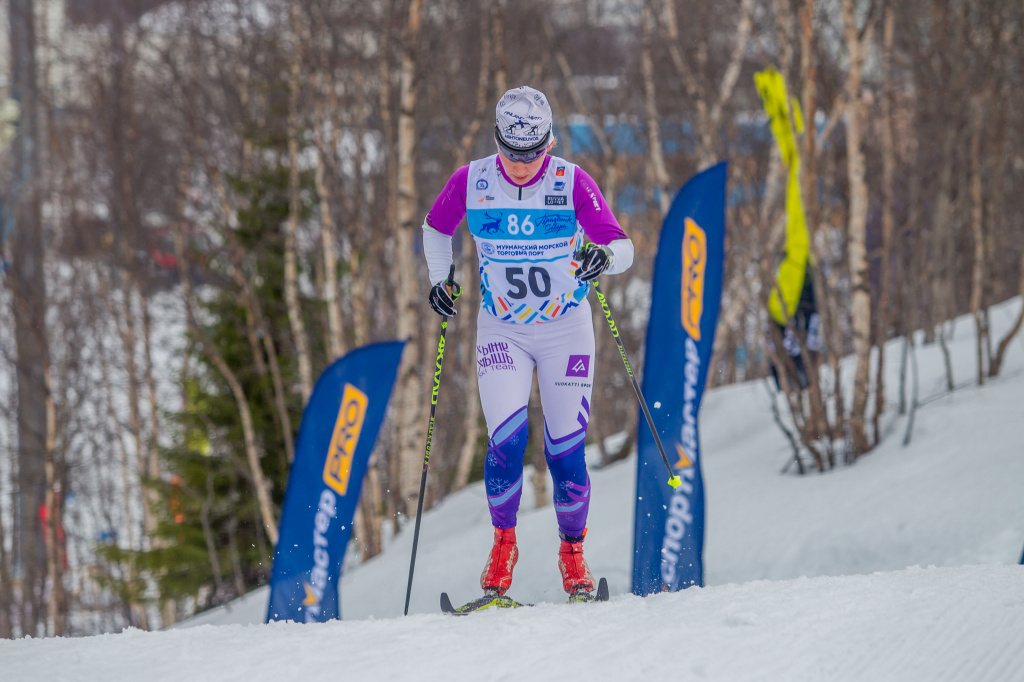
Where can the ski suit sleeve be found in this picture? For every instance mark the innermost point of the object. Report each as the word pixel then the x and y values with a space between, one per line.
pixel 599 224
pixel 440 224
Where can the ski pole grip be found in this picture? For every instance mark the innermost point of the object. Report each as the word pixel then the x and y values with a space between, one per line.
pixel 453 287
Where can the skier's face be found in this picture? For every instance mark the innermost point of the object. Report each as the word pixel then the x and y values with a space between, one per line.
pixel 522 173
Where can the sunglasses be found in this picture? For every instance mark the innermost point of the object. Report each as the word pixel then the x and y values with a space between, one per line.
pixel 521 155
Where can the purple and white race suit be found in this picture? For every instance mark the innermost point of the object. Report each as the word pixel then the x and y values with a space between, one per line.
pixel 534 314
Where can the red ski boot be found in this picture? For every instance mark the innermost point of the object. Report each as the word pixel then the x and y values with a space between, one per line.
pixel 576 575
pixel 497 575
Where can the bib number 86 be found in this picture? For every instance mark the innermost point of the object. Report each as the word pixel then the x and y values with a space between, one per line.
pixel 514 227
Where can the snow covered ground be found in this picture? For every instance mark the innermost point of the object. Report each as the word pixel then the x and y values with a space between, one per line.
pixel 901 567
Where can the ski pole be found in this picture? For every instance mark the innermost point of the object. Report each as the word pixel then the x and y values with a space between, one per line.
pixel 673 480
pixel 457 290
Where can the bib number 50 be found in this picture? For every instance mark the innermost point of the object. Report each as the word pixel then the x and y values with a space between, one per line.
pixel 537 282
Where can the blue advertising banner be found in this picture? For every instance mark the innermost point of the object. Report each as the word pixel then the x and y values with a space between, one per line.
pixel 668 532
pixel 339 428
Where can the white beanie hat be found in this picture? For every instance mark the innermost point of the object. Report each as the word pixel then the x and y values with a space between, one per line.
pixel 522 125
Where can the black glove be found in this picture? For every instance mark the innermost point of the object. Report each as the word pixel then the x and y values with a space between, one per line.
pixel 443 295
pixel 594 260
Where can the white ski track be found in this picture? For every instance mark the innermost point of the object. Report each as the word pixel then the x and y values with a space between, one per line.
pixel 963 623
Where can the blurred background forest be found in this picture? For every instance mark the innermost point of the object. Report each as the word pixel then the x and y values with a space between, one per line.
pixel 204 203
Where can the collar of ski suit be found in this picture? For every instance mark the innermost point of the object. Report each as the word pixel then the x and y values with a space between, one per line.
pixel 521 191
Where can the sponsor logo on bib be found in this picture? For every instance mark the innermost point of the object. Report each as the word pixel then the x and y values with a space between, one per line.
pixel 554 201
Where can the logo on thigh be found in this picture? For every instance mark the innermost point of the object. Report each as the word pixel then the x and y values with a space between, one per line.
pixel 579 366
pixel 494 355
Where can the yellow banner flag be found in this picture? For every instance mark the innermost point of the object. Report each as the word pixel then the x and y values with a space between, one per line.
pixel 784 116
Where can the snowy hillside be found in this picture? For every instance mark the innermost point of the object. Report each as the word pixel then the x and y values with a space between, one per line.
pixel 901 567
pixel 919 624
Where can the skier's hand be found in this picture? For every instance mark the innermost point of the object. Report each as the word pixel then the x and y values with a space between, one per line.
pixel 443 296
pixel 594 260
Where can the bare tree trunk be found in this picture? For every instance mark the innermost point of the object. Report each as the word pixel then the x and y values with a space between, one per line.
pixel 56 608
pixel 128 521
pixel 251 304
pixel 28 286
pixel 947 358
pixel 467 271
pixel 153 451
pixel 410 401
pixel 832 428
pixel 483 78
pixel 280 395
pixel 610 178
pixel 860 298
pixel 327 152
pixel 260 484
pixel 235 556
pixel 997 360
pixel 913 285
pixel 903 374
pixel 498 28
pixel 686 74
pixel 291 287
pixel 126 327
pixel 471 424
pixel 371 507
pixel 977 283
pixel 888 219
pixel 811 148
pixel 123 133
pixel 656 171
pixel 358 295
pixel 6 586
pixel 536 445
pixel 211 545
pixel 913 400
pixel 809 156
pixel 744 26
pixel 253 332
pixel 785 27
pixel 336 346
pixel 394 503
pixel 938 266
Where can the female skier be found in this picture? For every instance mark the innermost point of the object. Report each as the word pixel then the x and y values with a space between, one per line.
pixel 543 231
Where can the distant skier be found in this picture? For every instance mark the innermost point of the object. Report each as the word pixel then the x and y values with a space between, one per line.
pixel 534 313
pixel 797 290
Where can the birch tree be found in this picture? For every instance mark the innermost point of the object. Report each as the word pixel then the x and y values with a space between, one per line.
pixel 28 288
pixel 410 397
pixel 291 276
pixel 860 304
pixel 888 217
pixel 709 104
